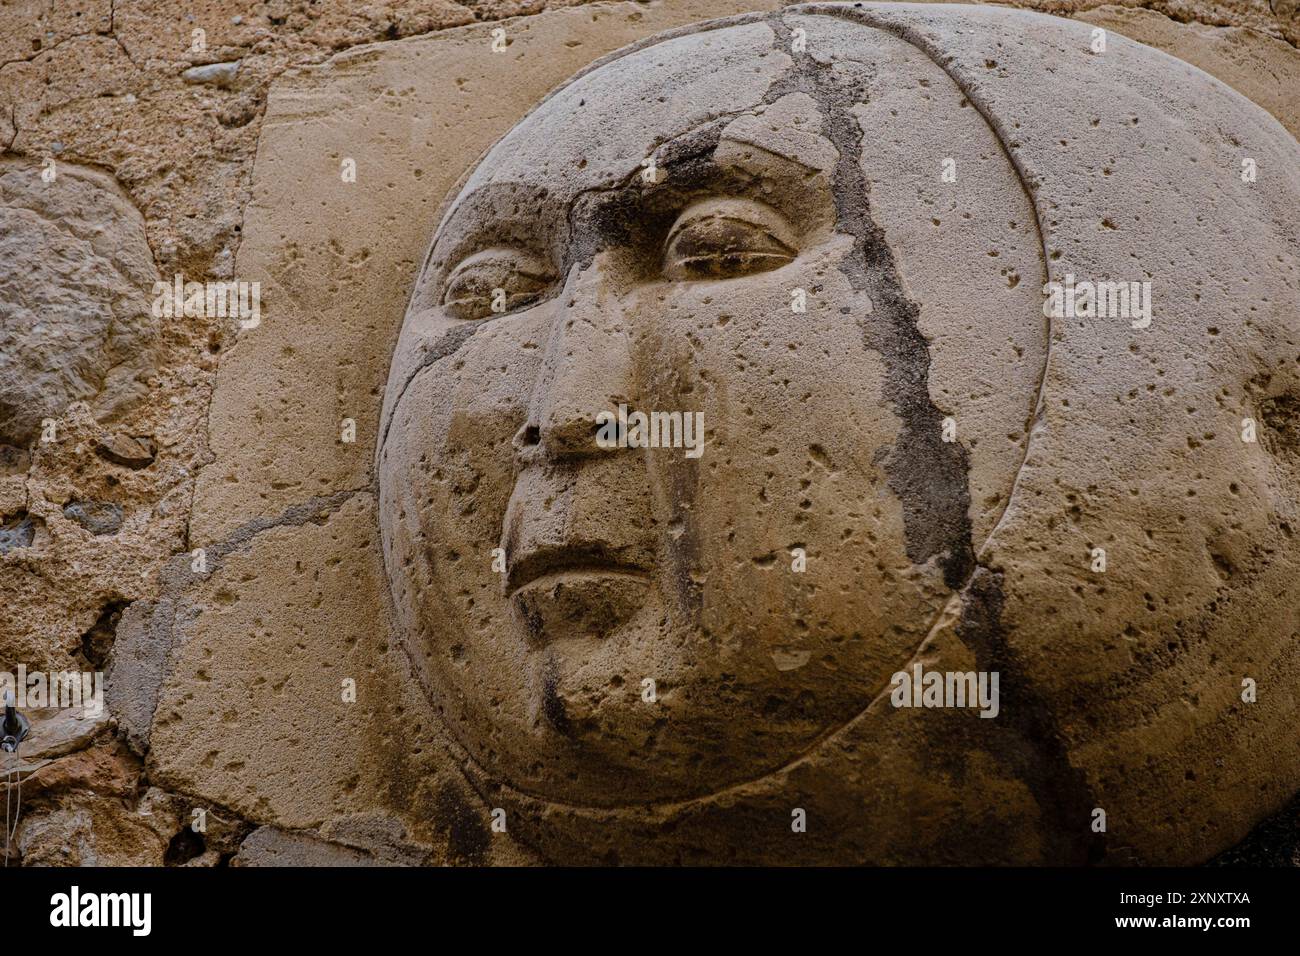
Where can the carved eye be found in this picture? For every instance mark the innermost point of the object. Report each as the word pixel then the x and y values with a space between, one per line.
pixel 496 281
pixel 724 238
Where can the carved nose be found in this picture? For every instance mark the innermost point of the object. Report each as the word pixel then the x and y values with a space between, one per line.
pixel 586 370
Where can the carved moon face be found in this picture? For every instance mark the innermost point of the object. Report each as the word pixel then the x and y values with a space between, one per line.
pixel 823 237
pixel 705 232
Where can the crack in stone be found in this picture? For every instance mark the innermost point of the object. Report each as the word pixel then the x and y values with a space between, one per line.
pixel 448 345
pixel 313 511
pixel 927 474
pixel 914 40
pixel 179 578
pixel 1039 751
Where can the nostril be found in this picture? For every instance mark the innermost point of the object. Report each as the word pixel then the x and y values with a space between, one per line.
pixel 530 435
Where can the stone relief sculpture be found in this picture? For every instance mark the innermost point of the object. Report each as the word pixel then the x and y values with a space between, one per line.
pixel 842 433
pixel 868 450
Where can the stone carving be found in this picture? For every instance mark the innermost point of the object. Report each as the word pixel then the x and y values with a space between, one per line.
pixel 648 674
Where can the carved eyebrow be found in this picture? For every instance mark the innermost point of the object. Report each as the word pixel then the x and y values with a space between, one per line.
pixel 639 215
pixel 485 232
pixel 513 215
pixel 702 176
pixel 627 211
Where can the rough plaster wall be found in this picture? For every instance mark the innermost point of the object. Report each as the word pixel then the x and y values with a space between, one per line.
pixel 225 681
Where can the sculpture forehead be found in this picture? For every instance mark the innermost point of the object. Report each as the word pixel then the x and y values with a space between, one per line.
pixel 599 128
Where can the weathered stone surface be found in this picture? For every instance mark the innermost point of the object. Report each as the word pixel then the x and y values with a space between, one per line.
pixel 102 831
pixel 75 321
pixel 1262 68
pixel 218 74
pixel 103 769
pixel 17 532
pixel 824 435
pixel 383 837
pixel 129 451
pixel 57 838
pixel 80 803
pixel 56 732
pixel 269 846
pixel 137 667
pixel 107 89
pixel 97 517
pixel 279 741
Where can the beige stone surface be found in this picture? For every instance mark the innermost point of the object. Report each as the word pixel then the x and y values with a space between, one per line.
pixel 1121 691
pixel 284 741
pixel 1139 441
pixel 235 172
pixel 264 676
pixel 1262 68
pixel 75 319
pixel 267 846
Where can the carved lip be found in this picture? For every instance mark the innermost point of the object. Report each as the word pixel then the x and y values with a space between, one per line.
pixel 558 562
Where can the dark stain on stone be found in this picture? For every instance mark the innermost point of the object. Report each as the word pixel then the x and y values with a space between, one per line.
pixel 676 475
pixel 97 642
pixel 927 474
pixel 97 517
pixel 467 834
pixel 634 217
pixel 930 476
pixel 532 620
pixel 684 551
pixel 552 704
pixel 1031 739
pixel 1275 842
pixel 931 479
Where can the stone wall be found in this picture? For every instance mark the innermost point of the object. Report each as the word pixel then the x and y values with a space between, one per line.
pixel 190 505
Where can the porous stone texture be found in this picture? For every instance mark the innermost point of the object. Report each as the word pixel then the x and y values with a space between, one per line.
pixel 1262 68
pixel 244 581
pixel 267 846
pixel 75 320
pixel 1120 686
pixel 82 800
